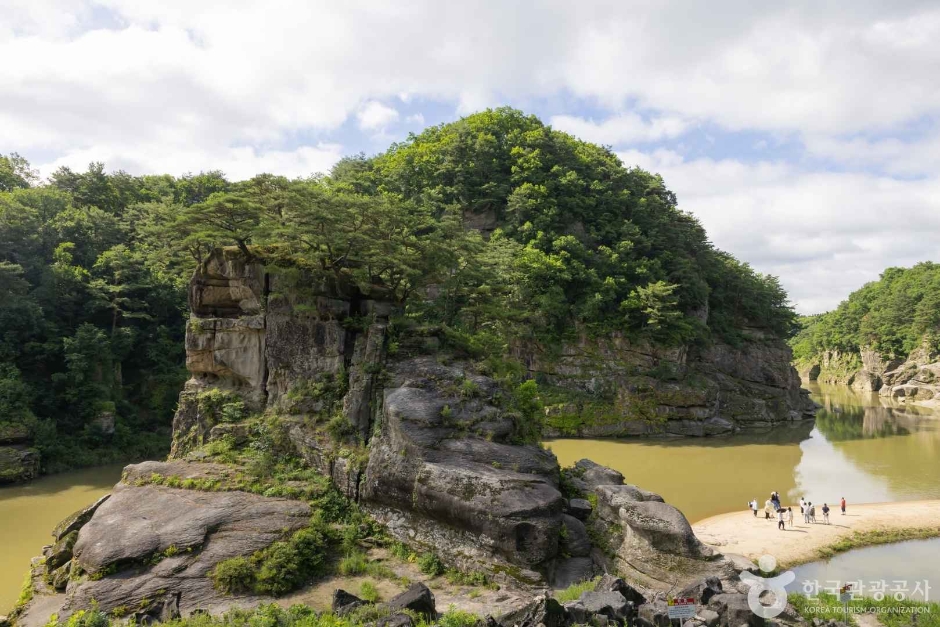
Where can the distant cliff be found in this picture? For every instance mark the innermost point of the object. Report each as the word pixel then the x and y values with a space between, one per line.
pixel 884 338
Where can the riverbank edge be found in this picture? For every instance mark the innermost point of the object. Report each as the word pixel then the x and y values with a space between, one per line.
pixel 631 431
pixel 903 526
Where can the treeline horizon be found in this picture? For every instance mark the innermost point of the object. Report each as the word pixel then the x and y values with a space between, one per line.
pixel 94 265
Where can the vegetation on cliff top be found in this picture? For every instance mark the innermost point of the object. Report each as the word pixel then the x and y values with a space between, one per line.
pixel 93 266
pixel 893 315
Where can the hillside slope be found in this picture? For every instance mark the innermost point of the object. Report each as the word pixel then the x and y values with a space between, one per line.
pixel 884 338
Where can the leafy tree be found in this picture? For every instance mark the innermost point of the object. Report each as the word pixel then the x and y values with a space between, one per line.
pixel 15 173
pixel 223 217
pixel 894 315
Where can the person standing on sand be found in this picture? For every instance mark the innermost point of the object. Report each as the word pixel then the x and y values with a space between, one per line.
pixel 843 505
pixel 812 513
pixel 790 516
pixel 753 505
pixel 826 512
pixel 781 524
pixel 803 505
pixel 806 512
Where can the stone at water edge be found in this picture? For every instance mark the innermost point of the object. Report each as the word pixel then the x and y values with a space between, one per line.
pixel 76 521
pixel 61 552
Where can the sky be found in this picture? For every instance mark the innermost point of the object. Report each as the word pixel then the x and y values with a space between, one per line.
pixel 805 136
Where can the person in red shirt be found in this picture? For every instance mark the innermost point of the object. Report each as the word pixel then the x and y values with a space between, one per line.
pixel 843 505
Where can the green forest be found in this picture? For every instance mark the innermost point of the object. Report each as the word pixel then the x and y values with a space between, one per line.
pixel 94 265
pixel 893 315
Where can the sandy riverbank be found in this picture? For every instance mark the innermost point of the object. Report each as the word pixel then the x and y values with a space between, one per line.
pixel 740 532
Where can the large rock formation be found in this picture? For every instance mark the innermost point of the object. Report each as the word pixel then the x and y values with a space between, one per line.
pixel 613 388
pixel 425 443
pixel 914 380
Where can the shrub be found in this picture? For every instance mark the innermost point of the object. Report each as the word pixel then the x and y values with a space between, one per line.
pixel 430 565
pixel 280 570
pixel 368 592
pixel 233 575
pixel 458 618
pixel 574 591
pixel 339 428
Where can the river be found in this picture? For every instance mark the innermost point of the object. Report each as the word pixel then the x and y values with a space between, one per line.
pixel 860 447
pixel 908 569
pixel 29 513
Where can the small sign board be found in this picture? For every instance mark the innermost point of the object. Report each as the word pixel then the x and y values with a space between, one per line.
pixel 845 593
pixel 681 607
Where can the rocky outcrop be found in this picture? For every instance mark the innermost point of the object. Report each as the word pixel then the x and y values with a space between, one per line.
pixel 914 380
pixel 153 547
pixel 18 462
pixel 616 388
pixel 647 540
pixel 425 443
pixel 442 472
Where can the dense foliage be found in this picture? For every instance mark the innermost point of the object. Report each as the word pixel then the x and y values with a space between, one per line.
pixel 92 309
pixel 93 266
pixel 893 315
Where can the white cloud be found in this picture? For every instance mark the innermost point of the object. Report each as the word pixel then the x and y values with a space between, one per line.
pixel 238 163
pixel 824 233
pixel 375 116
pixel 623 128
pixel 246 86
pixel 416 119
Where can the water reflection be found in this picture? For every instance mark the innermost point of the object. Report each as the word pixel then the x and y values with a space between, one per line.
pixel 845 414
pixel 862 447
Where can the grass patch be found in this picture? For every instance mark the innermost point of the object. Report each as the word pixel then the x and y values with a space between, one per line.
pixel 875 536
pixel 574 591
pixel 368 592
pixel 272 615
pixel 353 564
pixel 26 592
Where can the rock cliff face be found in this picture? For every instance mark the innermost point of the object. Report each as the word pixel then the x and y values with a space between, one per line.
pixel 610 387
pixel 423 442
pixel 18 462
pixel 914 380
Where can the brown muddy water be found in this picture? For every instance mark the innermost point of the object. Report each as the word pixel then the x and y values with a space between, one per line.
pixel 29 513
pixel 860 447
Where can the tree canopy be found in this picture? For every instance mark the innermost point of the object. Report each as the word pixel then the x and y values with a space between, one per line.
pixel 495 227
pixel 893 315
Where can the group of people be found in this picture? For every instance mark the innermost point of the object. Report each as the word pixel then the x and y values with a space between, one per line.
pixel 784 515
